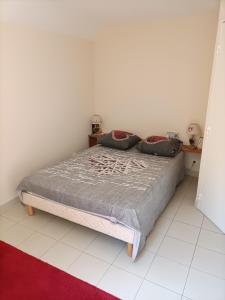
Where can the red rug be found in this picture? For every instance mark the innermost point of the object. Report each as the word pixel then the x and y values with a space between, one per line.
pixel 23 277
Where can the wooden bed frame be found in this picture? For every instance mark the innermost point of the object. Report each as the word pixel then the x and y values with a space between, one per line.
pixel 83 218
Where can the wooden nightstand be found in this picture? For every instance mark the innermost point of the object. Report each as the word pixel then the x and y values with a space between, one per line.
pixel 93 139
pixel 190 149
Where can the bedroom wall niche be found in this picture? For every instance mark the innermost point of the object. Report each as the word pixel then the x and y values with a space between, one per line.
pixel 154 77
pixel 46 101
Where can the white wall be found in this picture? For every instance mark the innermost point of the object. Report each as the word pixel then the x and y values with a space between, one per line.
pixel 149 78
pixel 46 101
pixel 154 77
pixel 211 187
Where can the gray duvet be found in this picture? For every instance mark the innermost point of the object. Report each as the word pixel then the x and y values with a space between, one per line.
pixel 127 187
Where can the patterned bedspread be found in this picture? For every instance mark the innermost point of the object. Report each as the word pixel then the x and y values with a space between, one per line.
pixel 84 167
pixel 125 186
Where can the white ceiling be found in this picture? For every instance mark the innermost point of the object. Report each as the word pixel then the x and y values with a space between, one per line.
pixel 85 17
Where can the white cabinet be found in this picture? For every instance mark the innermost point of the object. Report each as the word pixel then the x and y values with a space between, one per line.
pixel 211 189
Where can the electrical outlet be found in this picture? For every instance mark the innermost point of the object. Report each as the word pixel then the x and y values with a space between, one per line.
pixel 193 163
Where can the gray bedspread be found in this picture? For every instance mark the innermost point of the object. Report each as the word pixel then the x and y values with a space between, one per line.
pixel 133 189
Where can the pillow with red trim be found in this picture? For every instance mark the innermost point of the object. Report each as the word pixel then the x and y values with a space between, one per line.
pixel 160 145
pixel 119 139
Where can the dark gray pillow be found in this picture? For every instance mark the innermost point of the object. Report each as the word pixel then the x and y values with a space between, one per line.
pixel 161 146
pixel 119 140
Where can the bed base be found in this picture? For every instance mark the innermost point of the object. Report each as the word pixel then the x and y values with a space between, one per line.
pixel 30 210
pixel 80 217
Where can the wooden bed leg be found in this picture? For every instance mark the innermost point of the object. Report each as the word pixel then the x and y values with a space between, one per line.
pixel 30 210
pixel 129 249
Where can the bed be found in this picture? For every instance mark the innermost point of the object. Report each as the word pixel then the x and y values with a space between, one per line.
pixel 119 193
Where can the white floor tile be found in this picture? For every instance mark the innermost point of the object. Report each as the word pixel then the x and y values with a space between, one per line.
pixel 16 234
pixel 153 241
pixel 176 201
pixel 209 261
pixel 184 232
pixel 37 221
pixel 162 225
pixel 139 267
pixel 152 291
pixel 120 283
pixel 190 215
pixel 209 225
pixel 57 228
pixel 15 211
pixel 61 256
pixel 201 286
pixel 177 250
pixel 171 210
pixel 37 244
pixel 105 247
pixel 5 224
pixel 188 200
pixel 80 237
pixel 190 194
pixel 212 240
pixel 88 268
pixel 168 274
pixel 179 195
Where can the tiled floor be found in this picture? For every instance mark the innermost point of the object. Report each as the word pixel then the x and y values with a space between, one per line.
pixel 184 257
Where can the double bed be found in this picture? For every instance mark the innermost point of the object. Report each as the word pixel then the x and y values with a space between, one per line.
pixel 119 193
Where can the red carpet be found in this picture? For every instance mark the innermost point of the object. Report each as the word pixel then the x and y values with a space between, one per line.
pixel 23 277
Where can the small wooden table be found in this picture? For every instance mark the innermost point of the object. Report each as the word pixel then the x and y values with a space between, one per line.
pixel 93 138
pixel 191 149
